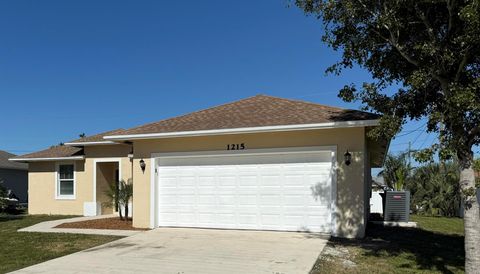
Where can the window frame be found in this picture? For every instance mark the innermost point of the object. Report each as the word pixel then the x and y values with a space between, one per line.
pixel 58 196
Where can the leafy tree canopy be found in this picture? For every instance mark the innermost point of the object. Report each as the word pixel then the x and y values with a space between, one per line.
pixel 430 48
pixel 476 165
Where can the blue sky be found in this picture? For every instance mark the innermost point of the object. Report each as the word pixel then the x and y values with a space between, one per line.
pixel 71 67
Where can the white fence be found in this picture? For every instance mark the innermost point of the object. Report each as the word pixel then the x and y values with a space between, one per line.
pixel 376 202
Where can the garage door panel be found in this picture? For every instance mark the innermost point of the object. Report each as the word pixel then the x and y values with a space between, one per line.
pixel 269 180
pixel 295 210
pixel 270 169
pixel 269 200
pixel 170 171
pixel 246 181
pixel 169 181
pixel 168 200
pixel 271 219
pixel 294 179
pixel 248 220
pixel 186 182
pixel 206 218
pixel 203 180
pixel 277 210
pixel 170 217
pixel 293 220
pixel 205 170
pixel 181 191
pixel 226 218
pixel 225 170
pixel 244 199
pixel 293 200
pixel 268 190
pixel 207 209
pixel 226 181
pixel 317 201
pixel 246 191
pixel 186 199
pixel 205 190
pixel 225 191
pixel 186 218
pixel 205 199
pixel 225 199
pixel 247 209
pixel 274 192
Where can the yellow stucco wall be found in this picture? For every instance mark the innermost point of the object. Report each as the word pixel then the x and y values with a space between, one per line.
pixel 41 181
pixel 350 213
pixel 41 189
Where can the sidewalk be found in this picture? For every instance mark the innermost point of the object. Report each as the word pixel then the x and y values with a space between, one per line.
pixel 49 227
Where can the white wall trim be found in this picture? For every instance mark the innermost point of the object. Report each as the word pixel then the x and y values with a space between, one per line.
pixel 90 143
pixel 104 160
pixel 345 124
pixel 153 192
pixel 333 207
pixel 47 159
pixel 65 197
pixel 284 150
pixel 257 151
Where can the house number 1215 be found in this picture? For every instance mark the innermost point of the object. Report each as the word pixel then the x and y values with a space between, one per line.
pixel 236 146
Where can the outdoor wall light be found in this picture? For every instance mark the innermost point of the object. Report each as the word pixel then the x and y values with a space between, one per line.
pixel 348 158
pixel 142 165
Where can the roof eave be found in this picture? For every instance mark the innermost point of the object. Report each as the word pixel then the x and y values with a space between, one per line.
pixel 13 168
pixel 245 130
pixel 96 143
pixel 44 159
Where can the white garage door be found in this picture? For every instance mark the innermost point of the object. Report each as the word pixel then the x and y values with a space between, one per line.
pixel 266 191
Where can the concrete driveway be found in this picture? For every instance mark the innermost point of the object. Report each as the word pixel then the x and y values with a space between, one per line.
pixel 196 251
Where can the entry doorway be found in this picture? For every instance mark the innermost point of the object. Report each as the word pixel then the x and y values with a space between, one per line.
pixel 107 172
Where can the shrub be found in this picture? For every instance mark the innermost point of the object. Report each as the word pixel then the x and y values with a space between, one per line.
pixel 434 189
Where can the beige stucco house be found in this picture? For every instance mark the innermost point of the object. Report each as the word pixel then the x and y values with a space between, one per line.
pixel 262 163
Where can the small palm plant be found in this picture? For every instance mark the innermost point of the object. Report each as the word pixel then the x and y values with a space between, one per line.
pixel 396 171
pixel 434 191
pixel 119 196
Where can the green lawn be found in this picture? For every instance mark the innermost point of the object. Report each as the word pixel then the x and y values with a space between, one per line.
pixel 21 249
pixel 436 246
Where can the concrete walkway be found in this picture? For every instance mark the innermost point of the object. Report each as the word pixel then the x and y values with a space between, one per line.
pixel 49 226
pixel 195 251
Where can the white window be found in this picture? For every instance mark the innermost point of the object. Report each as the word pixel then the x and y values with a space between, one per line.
pixel 65 181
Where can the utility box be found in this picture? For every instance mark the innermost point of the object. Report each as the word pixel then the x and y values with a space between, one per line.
pixel 397 206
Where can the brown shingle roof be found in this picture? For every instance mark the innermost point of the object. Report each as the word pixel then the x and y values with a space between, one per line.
pixel 53 152
pixel 257 111
pixel 67 151
pixel 98 137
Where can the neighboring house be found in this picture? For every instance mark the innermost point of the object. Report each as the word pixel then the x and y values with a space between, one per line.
pixel 261 163
pixel 378 183
pixel 14 176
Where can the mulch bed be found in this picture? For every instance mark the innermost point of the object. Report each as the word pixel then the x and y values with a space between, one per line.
pixel 106 223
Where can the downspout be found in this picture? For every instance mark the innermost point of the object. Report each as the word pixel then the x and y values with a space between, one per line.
pixel 131 172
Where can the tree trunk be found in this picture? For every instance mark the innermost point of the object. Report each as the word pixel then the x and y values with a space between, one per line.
pixel 471 219
pixel 126 212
